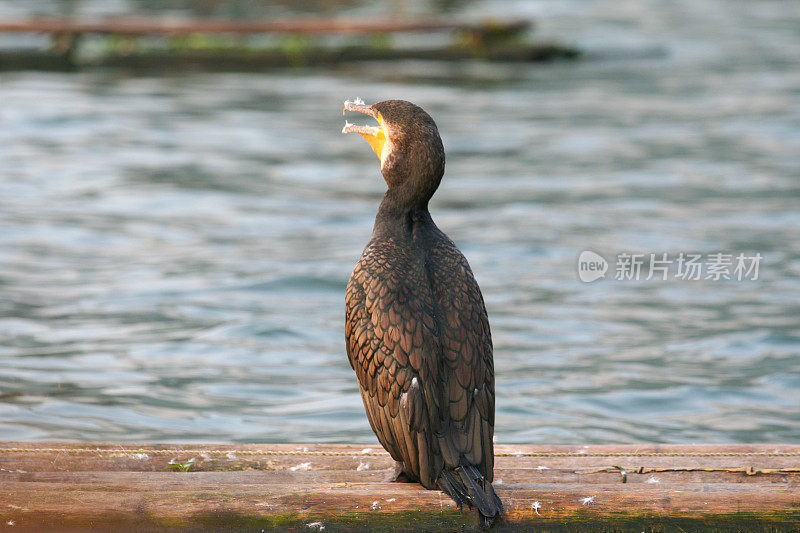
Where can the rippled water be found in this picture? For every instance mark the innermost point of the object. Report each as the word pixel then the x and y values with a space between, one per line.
pixel 174 250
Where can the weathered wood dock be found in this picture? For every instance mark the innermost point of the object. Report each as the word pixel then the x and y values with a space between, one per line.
pixel 147 487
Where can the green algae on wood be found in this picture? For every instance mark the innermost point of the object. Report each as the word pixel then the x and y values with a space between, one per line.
pixel 406 521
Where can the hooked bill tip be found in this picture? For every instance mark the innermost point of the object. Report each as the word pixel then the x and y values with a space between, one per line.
pixel 354 102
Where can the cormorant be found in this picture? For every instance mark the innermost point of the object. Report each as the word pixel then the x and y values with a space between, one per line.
pixel 416 327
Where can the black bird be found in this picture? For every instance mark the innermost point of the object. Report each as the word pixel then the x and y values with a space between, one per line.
pixel 416 326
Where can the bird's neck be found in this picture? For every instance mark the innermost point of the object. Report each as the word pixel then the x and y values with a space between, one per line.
pixel 400 217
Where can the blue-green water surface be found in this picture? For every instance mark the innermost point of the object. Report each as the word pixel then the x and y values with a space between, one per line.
pixel 174 249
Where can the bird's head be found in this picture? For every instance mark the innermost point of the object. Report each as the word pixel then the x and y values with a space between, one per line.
pixel 408 144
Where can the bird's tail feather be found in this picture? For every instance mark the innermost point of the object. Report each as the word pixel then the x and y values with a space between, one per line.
pixel 466 485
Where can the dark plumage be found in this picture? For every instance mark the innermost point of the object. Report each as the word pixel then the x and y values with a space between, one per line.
pixel 416 326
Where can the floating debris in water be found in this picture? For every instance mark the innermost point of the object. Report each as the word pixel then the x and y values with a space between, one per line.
pixel 141 456
pixel 589 500
pixel 653 479
pixel 231 456
pixel 366 450
pixel 316 526
pixel 375 505
pixel 542 467
pixel 362 466
pixel 536 506
pixel 301 466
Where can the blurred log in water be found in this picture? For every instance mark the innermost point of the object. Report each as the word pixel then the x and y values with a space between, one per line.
pixel 222 45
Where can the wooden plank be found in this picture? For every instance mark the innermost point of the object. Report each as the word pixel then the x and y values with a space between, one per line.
pixel 54 456
pixel 502 476
pixel 61 486
pixel 76 501
pixel 143 26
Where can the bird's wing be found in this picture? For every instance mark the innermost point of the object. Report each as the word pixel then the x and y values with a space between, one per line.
pixel 467 368
pixel 393 346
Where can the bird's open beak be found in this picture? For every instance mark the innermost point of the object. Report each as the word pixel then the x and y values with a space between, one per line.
pixel 376 137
